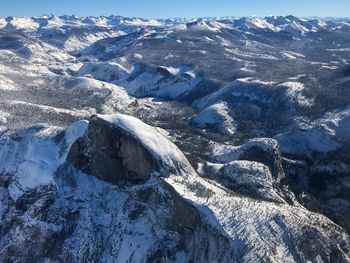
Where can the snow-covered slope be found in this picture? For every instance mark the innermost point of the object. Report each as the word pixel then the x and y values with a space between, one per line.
pixel 258 106
pixel 164 82
pixel 217 116
pixel 35 158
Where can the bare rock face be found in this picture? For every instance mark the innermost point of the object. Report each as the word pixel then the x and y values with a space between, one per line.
pixel 111 154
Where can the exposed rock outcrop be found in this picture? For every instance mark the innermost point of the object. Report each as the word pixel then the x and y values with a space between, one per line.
pixel 262 150
pixel 244 177
pixel 112 154
pixel 120 149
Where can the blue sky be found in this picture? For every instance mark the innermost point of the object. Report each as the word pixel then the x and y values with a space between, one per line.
pixel 175 8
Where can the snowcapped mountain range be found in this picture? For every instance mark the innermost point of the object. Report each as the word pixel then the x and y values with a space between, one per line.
pixel 174 140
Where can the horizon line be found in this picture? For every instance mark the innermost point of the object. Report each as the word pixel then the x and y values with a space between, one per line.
pixel 163 18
